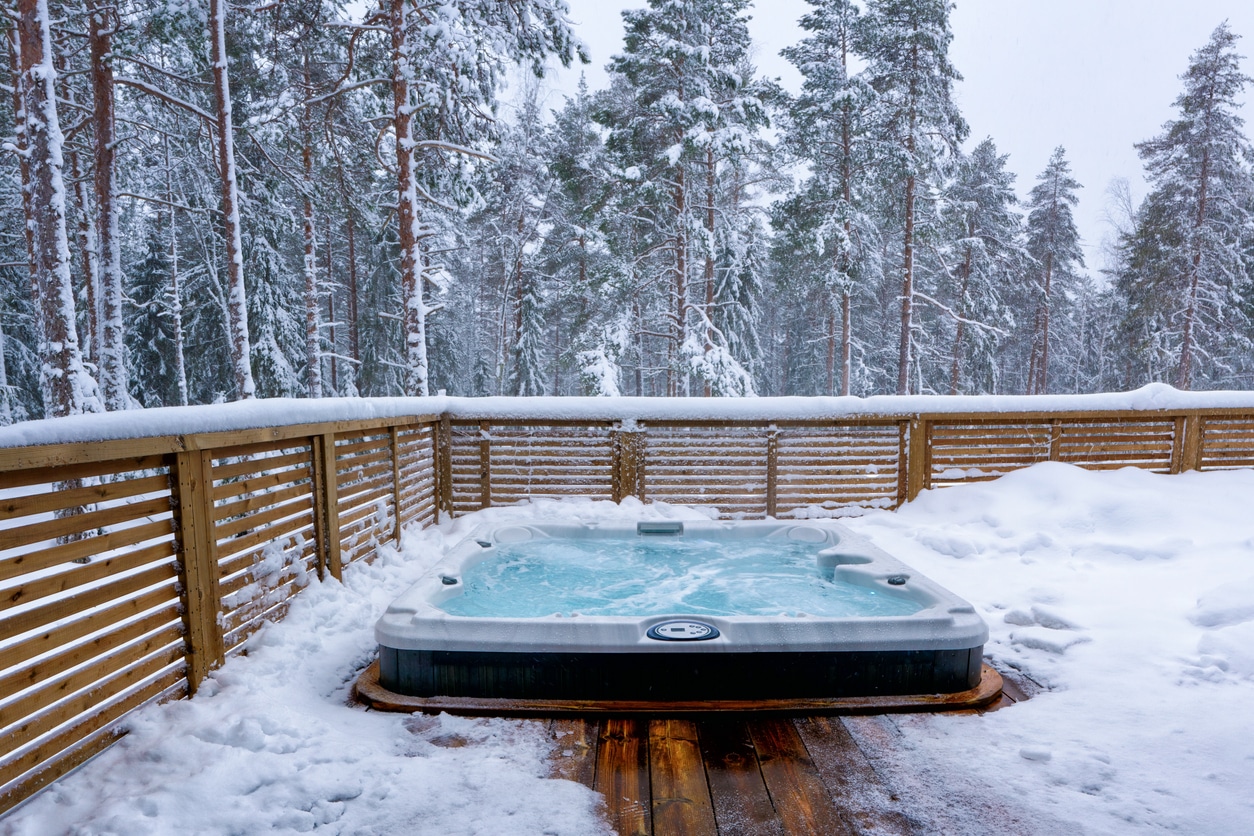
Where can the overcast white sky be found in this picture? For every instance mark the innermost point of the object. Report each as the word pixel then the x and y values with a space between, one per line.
pixel 1094 76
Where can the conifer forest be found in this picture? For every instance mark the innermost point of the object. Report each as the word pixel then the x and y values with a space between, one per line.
pixel 204 201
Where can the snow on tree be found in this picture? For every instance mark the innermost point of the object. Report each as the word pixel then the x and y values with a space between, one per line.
pixel 67 387
pixel 447 63
pixel 983 260
pixel 1054 245
pixel 686 124
pixel 102 20
pixel 917 125
pixel 237 303
pixel 826 217
pixel 1190 256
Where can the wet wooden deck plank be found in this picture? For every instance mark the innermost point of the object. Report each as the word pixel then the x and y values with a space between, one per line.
pixel 622 775
pixel 865 802
pixel 574 754
pixel 802 802
pixel 742 805
pixel 681 802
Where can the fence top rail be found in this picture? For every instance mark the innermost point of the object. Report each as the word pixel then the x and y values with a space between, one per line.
pixel 133 433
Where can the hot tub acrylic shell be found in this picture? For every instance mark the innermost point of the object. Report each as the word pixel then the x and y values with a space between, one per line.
pixel 425 651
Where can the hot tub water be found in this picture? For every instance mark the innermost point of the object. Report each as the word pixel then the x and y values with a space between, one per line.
pixel 635 576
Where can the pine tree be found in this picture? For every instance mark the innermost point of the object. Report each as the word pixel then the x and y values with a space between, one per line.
pixel 684 115
pixel 917 125
pixel 67 387
pixel 826 217
pixel 447 63
pixel 1054 245
pixel 1191 249
pixel 983 258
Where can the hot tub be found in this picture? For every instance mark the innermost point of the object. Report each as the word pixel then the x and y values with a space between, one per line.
pixel 502 615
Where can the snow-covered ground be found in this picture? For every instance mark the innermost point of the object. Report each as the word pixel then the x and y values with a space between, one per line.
pixel 1129 595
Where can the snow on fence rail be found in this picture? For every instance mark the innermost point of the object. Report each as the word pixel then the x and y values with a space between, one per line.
pixel 131 567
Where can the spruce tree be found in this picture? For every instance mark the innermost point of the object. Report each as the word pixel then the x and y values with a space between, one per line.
pixel 917 127
pixel 1190 270
pixel 1054 245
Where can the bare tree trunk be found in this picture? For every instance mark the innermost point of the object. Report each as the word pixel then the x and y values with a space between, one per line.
pixel 962 295
pixel 1184 375
pixel 415 309
pixel 332 339
pixel 313 341
pixel 907 282
pixel 709 255
pixel 907 292
pixel 102 19
pixel 673 373
pixel 354 338
pixel 1042 371
pixel 90 265
pixel 846 343
pixel 830 389
pixel 846 178
pixel 66 384
pixel 237 302
pixel 176 297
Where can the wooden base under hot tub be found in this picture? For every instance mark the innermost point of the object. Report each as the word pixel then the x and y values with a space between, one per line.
pixel 368 691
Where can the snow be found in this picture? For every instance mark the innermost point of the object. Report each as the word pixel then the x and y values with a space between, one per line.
pixel 273 412
pixel 1125 594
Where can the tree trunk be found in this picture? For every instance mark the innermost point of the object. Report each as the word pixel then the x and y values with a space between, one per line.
pixel 332 340
pixel 66 384
pixel 90 266
pixel 1042 371
pixel 907 292
pixel 846 343
pixel 907 280
pixel 415 310
pixel 830 389
pixel 313 341
pixel 1184 376
pixel 962 296
pixel 354 334
pixel 673 373
pixel 709 257
pixel 237 302
pixel 176 300
pixel 113 373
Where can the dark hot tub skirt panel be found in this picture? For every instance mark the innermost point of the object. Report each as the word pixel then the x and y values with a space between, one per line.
pixel 678 676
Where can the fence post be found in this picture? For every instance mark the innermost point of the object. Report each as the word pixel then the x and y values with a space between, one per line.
pixel 444 467
pixel 485 465
pixel 1190 447
pixel 772 470
pixel 917 459
pixel 326 504
pixel 628 462
pixel 192 485
pixel 396 483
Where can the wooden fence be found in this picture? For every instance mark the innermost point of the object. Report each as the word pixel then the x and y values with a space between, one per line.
pixel 130 569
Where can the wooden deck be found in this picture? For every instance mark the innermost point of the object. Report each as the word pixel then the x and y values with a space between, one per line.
pixel 727 774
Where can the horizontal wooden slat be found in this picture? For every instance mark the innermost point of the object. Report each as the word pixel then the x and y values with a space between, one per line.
pixel 64 553
pixel 57 500
pixel 77 575
pixel 35 473
pixel 16 679
pixel 63 526
pixel 39 616
pixel 105 715
pixel 226 529
pixel 72 630
pixel 260 465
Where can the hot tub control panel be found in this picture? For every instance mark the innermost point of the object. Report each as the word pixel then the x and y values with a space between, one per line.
pixel 682 631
